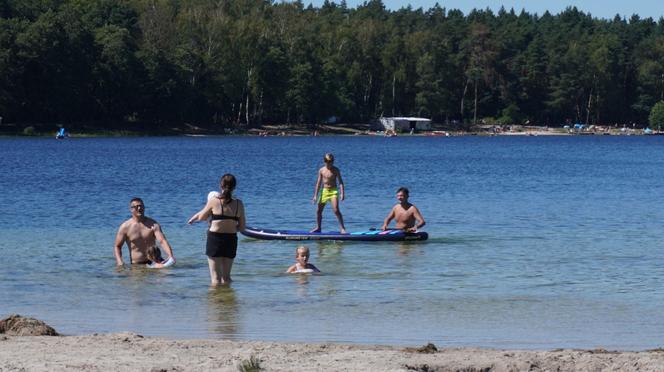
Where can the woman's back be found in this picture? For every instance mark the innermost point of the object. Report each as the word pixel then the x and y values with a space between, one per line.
pixel 226 215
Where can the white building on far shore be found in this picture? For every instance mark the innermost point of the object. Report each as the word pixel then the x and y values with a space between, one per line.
pixel 405 124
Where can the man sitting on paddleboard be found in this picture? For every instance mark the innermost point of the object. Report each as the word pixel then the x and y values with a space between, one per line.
pixel 404 214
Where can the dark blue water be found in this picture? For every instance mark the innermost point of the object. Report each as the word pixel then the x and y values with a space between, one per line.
pixel 535 242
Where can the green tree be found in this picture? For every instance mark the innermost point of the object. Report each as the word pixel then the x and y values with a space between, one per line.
pixel 12 93
pixel 56 52
pixel 656 118
pixel 511 115
pixel 429 98
pixel 480 53
pixel 534 80
pixel 301 89
pixel 159 103
pixel 603 65
pixel 116 72
pixel 649 73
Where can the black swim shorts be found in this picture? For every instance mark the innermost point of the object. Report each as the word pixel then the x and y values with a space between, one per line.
pixel 221 245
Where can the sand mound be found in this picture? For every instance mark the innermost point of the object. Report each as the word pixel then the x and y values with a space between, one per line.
pixel 16 325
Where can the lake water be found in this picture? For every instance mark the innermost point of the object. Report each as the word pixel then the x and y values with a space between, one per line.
pixel 535 242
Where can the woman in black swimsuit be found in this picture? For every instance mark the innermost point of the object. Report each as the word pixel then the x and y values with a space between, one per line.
pixel 226 219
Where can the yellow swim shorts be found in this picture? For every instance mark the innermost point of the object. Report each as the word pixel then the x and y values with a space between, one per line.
pixel 327 194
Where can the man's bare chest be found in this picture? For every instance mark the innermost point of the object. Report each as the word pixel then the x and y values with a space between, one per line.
pixel 404 213
pixel 141 231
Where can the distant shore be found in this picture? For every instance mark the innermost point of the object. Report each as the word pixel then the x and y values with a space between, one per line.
pixel 81 131
pixel 132 352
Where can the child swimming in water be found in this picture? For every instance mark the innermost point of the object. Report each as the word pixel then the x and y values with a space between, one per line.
pixel 156 261
pixel 302 264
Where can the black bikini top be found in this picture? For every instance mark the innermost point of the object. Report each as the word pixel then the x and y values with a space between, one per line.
pixel 224 217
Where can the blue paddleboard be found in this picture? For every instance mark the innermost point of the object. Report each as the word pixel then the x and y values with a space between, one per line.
pixel 368 236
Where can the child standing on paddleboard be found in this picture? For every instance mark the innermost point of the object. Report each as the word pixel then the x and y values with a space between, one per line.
pixel 327 178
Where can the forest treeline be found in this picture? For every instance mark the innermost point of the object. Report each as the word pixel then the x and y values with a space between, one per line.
pixel 244 63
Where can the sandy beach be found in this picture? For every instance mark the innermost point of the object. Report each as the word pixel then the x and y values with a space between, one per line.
pixel 133 352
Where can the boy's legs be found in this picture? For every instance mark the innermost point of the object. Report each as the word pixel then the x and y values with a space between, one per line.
pixel 337 212
pixel 319 217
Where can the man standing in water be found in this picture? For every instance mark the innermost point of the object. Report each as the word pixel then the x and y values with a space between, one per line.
pixel 140 233
pixel 404 214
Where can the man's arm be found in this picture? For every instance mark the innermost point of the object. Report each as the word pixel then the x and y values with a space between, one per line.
pixel 163 243
pixel 419 218
pixel 117 248
pixel 389 218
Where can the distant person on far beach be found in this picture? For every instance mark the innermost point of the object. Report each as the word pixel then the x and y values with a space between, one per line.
pixel 406 215
pixel 327 178
pixel 226 219
pixel 140 233
pixel 302 264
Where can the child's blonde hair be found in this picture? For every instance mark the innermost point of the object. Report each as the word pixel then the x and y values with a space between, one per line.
pixel 302 247
pixel 154 254
pixel 328 158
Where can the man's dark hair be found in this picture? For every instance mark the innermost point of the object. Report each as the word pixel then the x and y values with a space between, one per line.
pixel 136 199
pixel 404 190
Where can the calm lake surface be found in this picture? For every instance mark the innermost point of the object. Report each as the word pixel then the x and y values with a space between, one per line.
pixel 535 242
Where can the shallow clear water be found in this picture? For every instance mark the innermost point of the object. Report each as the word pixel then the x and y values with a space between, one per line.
pixel 535 242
